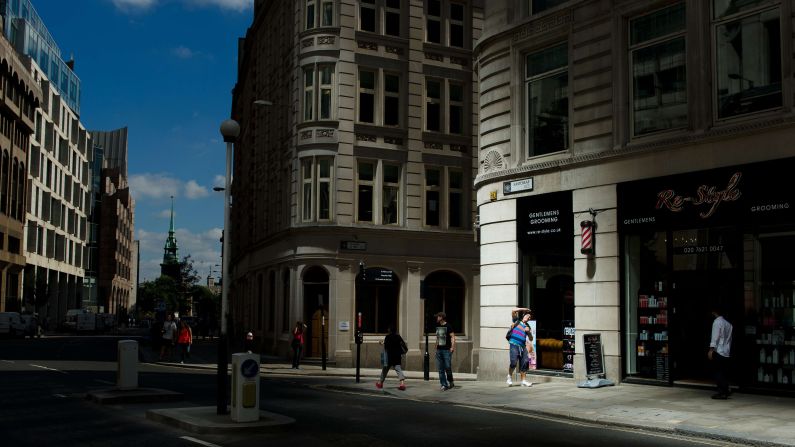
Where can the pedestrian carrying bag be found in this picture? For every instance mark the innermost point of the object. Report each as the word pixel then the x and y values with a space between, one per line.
pixel 508 335
pixel 384 359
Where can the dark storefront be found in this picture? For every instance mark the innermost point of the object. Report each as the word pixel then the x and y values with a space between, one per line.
pixel 544 228
pixel 724 236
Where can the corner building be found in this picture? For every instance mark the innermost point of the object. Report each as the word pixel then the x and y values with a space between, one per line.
pixel 673 122
pixel 357 145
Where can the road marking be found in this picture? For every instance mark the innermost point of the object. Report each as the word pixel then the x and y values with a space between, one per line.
pixel 104 382
pixel 199 441
pixel 9 361
pixel 48 369
pixel 59 395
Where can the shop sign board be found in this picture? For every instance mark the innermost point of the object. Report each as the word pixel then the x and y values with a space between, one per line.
pixel 353 245
pixel 753 194
pixel 380 275
pixel 515 186
pixel 545 221
pixel 594 361
pixel 568 345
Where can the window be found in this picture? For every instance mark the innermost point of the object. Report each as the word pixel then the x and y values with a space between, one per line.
pixel 436 103
pixel 445 205
pixel 379 98
pixel 325 16
pixel 371 11
pixel 547 81
pixel 444 292
pixel 367 14
pixel 367 96
pixel 365 176
pixel 537 6
pixel 748 57
pixel 373 176
pixel 318 79
pixel 316 176
pixel 377 300
pixel 659 84
pixel 445 23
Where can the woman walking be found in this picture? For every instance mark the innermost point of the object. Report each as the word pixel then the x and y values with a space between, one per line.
pixel 184 340
pixel 394 348
pixel 297 343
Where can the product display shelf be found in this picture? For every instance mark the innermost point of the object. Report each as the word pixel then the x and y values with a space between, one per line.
pixel 653 336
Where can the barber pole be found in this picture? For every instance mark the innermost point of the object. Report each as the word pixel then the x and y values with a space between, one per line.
pixel 587 241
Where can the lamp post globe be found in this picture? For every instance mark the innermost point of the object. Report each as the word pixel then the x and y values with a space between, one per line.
pixel 230 130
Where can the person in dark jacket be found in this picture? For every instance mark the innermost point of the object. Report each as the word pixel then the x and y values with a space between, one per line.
pixel 394 348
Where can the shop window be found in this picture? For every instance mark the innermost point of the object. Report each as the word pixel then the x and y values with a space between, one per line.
pixel 445 292
pixel 748 57
pixel 316 187
pixel 377 300
pixel 547 82
pixel 659 83
pixel 379 100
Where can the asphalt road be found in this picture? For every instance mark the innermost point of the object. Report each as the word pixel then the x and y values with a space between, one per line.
pixel 43 385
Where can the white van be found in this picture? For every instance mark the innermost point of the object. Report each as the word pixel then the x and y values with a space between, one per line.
pixel 11 324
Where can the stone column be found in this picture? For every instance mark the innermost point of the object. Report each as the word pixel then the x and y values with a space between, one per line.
pixel 412 318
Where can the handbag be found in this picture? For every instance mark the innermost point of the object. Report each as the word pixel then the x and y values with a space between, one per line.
pixel 403 348
pixel 508 335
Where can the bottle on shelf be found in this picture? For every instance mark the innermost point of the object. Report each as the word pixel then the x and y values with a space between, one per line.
pixel 774 357
pixel 762 356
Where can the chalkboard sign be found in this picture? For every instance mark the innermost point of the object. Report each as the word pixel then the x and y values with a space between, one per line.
pixel 594 362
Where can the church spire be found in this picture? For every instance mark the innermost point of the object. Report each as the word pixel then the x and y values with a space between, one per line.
pixel 170 265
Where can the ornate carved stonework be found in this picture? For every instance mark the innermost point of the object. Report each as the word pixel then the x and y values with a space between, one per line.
pixel 325 133
pixel 307 42
pixel 542 26
pixel 493 162
pixel 393 50
pixel 429 145
pixel 363 137
pixel 434 57
pixel 307 134
pixel 391 140
pixel 325 40
pixel 367 45
pixel 459 61
pixel 458 148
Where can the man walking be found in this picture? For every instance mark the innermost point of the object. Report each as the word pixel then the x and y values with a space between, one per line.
pixel 518 350
pixel 168 333
pixel 445 347
pixel 719 351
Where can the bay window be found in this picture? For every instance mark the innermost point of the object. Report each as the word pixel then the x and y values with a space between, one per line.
pixel 316 188
pixel 318 92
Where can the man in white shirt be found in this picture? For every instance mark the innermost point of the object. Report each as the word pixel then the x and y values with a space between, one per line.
pixel 719 352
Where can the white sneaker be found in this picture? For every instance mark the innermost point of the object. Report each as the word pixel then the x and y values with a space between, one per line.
pixel 526 383
pixel 509 381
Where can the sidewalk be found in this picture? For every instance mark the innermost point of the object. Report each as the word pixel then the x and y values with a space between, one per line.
pixel 744 419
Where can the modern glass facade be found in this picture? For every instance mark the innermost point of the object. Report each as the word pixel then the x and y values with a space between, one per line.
pixel 26 31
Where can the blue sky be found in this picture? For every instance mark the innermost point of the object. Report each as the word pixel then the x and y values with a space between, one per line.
pixel 165 69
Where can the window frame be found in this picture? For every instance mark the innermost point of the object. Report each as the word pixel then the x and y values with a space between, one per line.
pixel 318 17
pixel 313 93
pixel 379 95
pixel 445 104
pixel 528 80
pixel 446 22
pixel 444 191
pixel 377 184
pixel 762 7
pixel 311 164
pixel 632 48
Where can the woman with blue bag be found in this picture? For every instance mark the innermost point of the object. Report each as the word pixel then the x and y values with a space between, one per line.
pixel 391 357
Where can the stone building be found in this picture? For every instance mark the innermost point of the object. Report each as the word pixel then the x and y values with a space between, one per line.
pixel 357 147
pixel 668 124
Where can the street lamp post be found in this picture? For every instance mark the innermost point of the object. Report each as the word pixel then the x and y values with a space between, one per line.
pixel 230 129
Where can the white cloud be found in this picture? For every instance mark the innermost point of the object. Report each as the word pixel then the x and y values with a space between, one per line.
pixel 155 186
pixel 162 186
pixel 232 5
pixel 133 5
pixel 165 214
pixel 183 52
pixel 219 180
pixel 203 247
pixel 195 191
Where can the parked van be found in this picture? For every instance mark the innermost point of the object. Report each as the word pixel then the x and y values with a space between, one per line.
pixel 11 324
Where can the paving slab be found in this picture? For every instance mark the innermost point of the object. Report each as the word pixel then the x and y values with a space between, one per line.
pixel 205 420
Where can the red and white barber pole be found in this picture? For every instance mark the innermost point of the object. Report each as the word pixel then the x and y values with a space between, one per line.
pixel 587 241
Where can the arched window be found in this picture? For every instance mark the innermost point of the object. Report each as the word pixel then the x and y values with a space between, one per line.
pixel 315 306
pixel 4 185
pixel 377 300
pixel 444 292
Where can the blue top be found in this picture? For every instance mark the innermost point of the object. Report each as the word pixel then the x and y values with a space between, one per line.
pixel 519 335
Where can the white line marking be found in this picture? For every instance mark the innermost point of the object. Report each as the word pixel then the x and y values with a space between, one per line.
pixel 59 395
pixel 9 361
pixel 48 369
pixel 104 382
pixel 199 441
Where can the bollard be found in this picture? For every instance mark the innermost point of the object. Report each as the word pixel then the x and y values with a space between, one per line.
pixel 127 366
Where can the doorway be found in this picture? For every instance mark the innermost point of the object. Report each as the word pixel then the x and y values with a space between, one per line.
pixel 315 306
pixel 706 271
